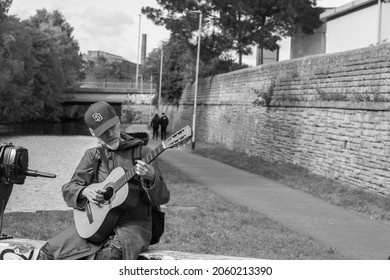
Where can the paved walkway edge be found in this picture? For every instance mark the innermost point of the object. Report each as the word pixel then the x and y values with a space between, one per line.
pixel 353 235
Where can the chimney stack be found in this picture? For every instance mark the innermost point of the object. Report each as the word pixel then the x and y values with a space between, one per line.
pixel 143 49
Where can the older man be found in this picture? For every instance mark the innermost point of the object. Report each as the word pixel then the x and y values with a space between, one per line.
pixel 133 229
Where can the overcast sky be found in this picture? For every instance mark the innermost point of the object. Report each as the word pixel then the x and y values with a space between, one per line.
pixel 111 26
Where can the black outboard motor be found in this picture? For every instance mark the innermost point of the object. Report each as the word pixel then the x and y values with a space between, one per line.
pixel 13 170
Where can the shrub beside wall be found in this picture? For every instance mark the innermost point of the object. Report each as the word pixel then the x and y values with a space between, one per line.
pixel 327 113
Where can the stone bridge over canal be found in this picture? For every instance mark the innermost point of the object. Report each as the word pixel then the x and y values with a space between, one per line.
pixel 128 100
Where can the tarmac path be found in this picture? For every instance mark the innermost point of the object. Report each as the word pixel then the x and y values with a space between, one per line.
pixel 353 235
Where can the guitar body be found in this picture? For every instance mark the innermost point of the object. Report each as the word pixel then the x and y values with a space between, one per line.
pixel 95 223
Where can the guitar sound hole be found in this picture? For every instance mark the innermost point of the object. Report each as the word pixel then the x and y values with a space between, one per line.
pixel 108 194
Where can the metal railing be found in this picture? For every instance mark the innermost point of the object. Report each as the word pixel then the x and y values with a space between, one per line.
pixel 118 85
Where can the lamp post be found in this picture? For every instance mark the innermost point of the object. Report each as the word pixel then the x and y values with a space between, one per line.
pixel 139 33
pixel 196 79
pixel 159 86
pixel 380 15
pixel 379 34
pixel 150 99
pixel 142 84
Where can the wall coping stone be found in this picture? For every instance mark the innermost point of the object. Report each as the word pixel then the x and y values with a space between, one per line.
pixel 347 105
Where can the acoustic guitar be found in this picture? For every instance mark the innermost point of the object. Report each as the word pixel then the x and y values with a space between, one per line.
pixel 96 222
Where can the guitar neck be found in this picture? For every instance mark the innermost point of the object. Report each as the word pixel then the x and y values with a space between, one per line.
pixel 153 154
pixel 131 173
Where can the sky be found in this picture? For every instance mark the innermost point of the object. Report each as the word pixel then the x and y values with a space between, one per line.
pixel 113 26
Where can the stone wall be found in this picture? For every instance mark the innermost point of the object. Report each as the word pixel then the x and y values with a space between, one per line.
pixel 327 113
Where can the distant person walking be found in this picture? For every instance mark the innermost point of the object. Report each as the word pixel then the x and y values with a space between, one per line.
pixel 155 124
pixel 164 121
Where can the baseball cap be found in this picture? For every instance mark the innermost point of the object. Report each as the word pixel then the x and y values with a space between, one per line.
pixel 100 116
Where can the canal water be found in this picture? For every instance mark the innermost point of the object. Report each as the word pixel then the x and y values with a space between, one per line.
pixel 42 128
pixel 53 148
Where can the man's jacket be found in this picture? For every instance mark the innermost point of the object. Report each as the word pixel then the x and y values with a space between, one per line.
pixel 68 245
pixel 164 121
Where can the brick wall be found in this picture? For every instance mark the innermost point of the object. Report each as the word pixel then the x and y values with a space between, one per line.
pixel 327 113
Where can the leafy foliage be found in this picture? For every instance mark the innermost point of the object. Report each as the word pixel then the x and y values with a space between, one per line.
pixel 231 25
pixel 227 26
pixel 103 70
pixel 179 66
pixel 39 59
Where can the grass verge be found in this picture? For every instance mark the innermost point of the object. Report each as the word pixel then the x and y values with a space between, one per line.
pixel 198 221
pixel 361 201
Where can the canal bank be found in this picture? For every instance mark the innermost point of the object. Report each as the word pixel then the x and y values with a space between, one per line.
pixel 56 154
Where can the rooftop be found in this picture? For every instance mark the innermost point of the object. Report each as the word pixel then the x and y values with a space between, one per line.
pixel 332 12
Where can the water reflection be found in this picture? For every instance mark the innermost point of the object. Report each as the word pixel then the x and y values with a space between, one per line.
pixel 43 128
pixel 53 148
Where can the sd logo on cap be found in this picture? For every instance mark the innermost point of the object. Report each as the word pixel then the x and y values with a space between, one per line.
pixel 100 116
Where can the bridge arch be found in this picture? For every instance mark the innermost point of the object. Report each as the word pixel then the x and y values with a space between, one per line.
pixel 124 100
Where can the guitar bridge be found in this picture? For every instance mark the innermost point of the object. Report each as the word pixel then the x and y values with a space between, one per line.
pixel 89 213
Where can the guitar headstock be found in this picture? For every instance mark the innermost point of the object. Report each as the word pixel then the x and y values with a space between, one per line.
pixel 180 137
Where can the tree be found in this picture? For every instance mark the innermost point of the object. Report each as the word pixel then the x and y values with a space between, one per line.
pixel 184 26
pixel 179 67
pixel 265 22
pixel 19 66
pixel 60 32
pixel 12 76
pixel 103 70
pixel 39 59
pixel 4 7
pixel 56 53
pixel 235 25
pixel 227 26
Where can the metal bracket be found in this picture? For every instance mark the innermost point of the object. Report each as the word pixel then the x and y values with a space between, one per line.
pixel 2 208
